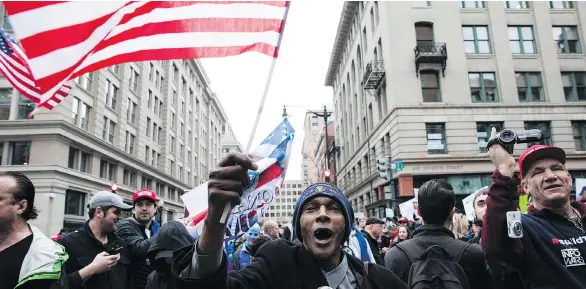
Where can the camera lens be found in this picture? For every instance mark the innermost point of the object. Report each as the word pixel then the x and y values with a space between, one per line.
pixel 517 229
pixel 507 136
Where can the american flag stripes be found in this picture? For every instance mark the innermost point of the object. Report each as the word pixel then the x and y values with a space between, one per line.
pixel 15 68
pixel 84 36
pixel 272 158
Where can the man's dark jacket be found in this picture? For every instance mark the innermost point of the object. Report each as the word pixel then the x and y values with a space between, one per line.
pixel 278 264
pixel 133 234
pixel 373 244
pixel 82 247
pixel 172 236
pixel 472 258
pixel 549 241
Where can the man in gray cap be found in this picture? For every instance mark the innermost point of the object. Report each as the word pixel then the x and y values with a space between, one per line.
pixel 96 241
pixel 322 221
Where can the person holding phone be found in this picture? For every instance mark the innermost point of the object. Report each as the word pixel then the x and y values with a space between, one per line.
pixel 97 257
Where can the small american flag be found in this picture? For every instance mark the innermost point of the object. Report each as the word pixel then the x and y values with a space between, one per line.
pixel 65 39
pixel 272 158
pixel 14 66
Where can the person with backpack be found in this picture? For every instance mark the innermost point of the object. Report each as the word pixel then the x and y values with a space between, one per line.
pixel 434 258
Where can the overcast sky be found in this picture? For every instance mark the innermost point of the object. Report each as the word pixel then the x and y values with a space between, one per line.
pixel 298 79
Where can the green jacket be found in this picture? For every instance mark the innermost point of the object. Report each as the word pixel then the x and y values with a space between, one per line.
pixel 44 260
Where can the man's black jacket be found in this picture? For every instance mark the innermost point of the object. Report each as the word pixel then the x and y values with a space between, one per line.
pixel 373 244
pixel 472 261
pixel 133 234
pixel 82 247
pixel 278 264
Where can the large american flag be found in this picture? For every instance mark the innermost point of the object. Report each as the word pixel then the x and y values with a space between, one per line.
pixel 65 39
pixel 15 68
pixel 272 158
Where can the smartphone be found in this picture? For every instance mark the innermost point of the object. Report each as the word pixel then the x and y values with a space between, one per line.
pixel 514 226
pixel 114 248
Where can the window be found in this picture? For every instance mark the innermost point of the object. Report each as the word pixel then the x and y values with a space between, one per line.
pixel 130 140
pixel 483 87
pixel 133 80
pixel 19 153
pixel 156 110
pixel 471 4
pixel 574 85
pixel 147 154
pixel 160 108
pixel 85 115
pixel 159 135
pixel 517 4
pixel 483 131
pixel 148 127
pixel 430 86
pixel 153 157
pixel 150 100
pixel 172 168
pixel 25 106
pixel 566 39
pixel 131 112
pixel 173 120
pixel 175 74
pixel 419 4
pixel 84 81
pixel 314 124
pixel 174 99
pixel 111 94
pixel 521 40
pixel 79 160
pixel 157 77
pixel 184 86
pixel 155 131
pixel 151 69
pixel 109 130
pixel 6 24
pixel 74 203
pixel 436 138
pixel 561 4
pixel 579 132
pixel 545 128
pixel 172 146
pixel 476 39
pixel 108 170
pixel 182 107
pixel 5 99
pixel 158 159
pixel 115 69
pixel 529 86
pixel 1 151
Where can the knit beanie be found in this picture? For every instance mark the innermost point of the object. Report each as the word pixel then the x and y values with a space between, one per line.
pixel 323 190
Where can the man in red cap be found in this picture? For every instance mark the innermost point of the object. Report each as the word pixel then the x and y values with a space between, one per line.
pixel 137 231
pixel 549 248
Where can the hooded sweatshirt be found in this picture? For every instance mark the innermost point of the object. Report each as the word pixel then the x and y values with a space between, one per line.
pixel 171 236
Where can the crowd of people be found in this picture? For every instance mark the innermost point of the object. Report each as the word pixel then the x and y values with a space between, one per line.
pixel 323 247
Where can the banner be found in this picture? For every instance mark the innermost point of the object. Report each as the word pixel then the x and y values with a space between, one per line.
pixel 580 189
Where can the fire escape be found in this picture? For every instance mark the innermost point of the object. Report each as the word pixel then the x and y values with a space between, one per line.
pixel 431 53
pixel 374 75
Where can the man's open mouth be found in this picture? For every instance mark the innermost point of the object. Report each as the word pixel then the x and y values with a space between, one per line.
pixel 323 235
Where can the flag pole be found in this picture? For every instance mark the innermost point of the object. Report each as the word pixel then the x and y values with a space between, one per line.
pixel 228 206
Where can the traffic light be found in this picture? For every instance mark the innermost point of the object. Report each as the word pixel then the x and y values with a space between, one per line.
pixel 382 168
pixel 327 175
pixel 114 188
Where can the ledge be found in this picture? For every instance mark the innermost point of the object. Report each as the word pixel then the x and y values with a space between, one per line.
pixel 570 55
pixel 479 56
pixel 526 56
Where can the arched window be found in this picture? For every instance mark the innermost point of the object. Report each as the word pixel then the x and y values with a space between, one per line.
pixel 424 36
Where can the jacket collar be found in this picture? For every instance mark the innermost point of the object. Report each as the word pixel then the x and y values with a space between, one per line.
pixel 43 260
pixel 581 207
pixel 432 230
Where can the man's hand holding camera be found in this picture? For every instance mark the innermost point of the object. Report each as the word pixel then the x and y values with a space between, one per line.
pixel 501 159
pixel 225 186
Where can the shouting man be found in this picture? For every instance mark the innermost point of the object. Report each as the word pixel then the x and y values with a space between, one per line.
pixel 322 221
pixel 137 231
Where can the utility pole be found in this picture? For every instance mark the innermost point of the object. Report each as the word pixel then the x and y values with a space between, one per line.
pixel 390 169
pixel 325 115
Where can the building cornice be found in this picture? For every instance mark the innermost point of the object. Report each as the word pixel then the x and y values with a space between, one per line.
pixel 35 129
pixel 346 18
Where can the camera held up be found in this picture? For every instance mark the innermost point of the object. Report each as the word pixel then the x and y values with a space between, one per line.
pixel 508 138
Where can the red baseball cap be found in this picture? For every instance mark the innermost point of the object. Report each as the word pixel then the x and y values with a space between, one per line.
pixel 144 193
pixel 539 152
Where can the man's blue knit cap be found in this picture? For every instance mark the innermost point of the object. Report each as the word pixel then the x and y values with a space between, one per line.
pixel 323 190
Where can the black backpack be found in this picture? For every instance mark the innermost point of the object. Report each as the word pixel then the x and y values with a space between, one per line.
pixel 434 268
